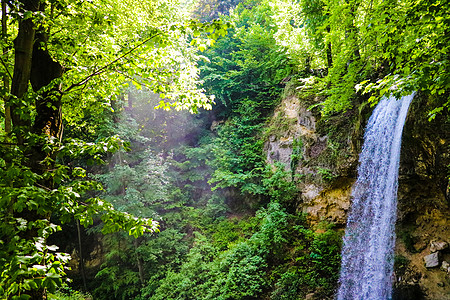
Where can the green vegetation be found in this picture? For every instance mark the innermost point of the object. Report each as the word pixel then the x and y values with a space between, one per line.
pixel 182 206
pixel 66 293
pixel 69 63
pixel 297 154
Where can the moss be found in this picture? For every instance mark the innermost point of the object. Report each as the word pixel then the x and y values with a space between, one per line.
pixel 297 154
pixel 279 126
pixel 290 88
pixel 326 174
pixel 407 239
pixel 67 293
pixel 400 265
pixel 343 144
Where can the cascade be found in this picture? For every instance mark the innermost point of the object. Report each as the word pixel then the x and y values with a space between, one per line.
pixel 368 249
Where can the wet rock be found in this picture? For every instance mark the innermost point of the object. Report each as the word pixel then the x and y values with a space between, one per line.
pixel 407 292
pixel 438 246
pixel 432 260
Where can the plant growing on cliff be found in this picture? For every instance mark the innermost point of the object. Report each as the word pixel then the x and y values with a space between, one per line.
pixel 326 174
pixel 297 154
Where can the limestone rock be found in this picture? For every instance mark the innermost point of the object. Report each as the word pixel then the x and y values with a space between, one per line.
pixel 327 204
pixel 445 267
pixel 438 246
pixel 432 260
pixel 310 296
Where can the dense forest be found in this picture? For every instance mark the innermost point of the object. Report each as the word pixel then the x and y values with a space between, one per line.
pixel 134 159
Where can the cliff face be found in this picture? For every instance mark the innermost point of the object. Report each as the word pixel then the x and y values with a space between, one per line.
pixel 323 155
pixel 423 206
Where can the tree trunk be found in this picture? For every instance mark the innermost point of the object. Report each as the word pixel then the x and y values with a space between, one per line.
pixel 44 70
pixel 83 273
pixel 23 46
pixel 328 50
pixel 140 263
pixel 33 64
pixel 5 77
pixel 48 106
pixel 352 33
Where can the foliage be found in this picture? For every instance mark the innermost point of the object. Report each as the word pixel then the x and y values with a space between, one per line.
pixel 30 264
pixel 381 47
pixel 208 10
pixel 237 273
pixel 419 54
pixel 278 185
pixel 245 74
pixel 316 260
pixel 117 58
pixel 70 62
pixel 142 191
pixel 326 174
pixel 66 293
pixel 249 266
pixel 146 183
pixel 238 151
pixel 247 64
pixel 297 154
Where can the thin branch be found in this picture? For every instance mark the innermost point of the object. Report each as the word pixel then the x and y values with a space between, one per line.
pixel 133 79
pixel 78 48
pixel 6 67
pixel 10 4
pixel 6 143
pixel 43 187
pixel 104 68
pixel 4 33
pixel 5 52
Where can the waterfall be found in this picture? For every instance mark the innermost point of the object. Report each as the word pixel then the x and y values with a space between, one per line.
pixel 368 250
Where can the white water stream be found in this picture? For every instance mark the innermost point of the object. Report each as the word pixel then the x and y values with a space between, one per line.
pixel 368 249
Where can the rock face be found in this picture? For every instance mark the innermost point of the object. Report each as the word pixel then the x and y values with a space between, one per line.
pixel 292 121
pixel 423 226
pixel 329 204
pixel 326 167
pixel 297 141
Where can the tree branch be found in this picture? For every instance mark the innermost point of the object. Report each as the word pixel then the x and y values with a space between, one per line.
pixel 104 68
pixel 6 143
pixel 133 79
pixel 6 67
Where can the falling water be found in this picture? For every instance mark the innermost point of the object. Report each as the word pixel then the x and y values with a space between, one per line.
pixel 368 251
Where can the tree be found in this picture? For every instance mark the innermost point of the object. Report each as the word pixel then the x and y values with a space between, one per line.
pixel 379 47
pixel 69 56
pixel 208 10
